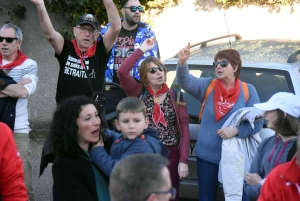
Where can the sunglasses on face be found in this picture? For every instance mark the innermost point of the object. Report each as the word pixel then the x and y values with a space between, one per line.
pixel 135 8
pixel 7 39
pixel 223 63
pixel 154 69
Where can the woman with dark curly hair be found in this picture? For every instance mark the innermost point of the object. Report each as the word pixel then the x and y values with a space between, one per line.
pixel 75 127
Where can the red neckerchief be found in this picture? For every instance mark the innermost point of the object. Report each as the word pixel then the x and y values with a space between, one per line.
pixel 20 59
pixel 90 52
pixel 224 100
pixel 158 115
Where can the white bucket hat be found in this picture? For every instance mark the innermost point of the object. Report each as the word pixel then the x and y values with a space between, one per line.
pixel 287 102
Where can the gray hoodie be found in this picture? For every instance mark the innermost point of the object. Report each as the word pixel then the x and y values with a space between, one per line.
pixel 271 152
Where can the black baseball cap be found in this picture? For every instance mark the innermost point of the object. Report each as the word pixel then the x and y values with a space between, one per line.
pixel 88 19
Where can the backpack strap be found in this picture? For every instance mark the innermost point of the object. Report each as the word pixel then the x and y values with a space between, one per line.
pixel 210 88
pixel 292 152
pixel 246 91
pixel 178 97
pixel 142 94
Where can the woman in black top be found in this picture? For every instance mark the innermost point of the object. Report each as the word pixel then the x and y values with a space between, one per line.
pixel 75 127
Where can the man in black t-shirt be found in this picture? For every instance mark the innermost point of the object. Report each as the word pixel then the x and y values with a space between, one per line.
pixel 84 56
pixel 81 54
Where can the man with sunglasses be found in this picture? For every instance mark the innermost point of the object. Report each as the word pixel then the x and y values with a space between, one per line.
pixel 132 35
pixel 141 177
pixel 23 72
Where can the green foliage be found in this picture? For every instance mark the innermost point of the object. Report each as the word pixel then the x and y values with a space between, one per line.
pixel 72 9
pixel 16 12
pixel 229 3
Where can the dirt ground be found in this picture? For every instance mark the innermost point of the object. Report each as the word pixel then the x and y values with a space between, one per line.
pixel 42 186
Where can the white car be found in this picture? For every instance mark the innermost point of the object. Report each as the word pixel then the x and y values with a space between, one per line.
pixel 269 65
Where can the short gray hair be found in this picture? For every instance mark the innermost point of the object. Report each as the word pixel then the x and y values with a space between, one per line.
pixel 19 33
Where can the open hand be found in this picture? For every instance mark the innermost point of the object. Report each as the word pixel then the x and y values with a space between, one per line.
pixel 99 143
pixel 252 179
pixel 183 170
pixel 148 44
pixel 184 54
pixel 227 133
pixel 24 81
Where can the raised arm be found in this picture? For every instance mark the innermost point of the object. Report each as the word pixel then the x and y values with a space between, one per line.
pixel 183 55
pixel 115 24
pixel 54 38
pixel 128 83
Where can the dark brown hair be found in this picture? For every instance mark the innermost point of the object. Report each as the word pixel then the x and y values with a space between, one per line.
pixel 233 57
pixel 286 125
pixel 145 65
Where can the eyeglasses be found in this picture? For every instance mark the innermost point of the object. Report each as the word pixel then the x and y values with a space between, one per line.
pixel 84 30
pixel 153 70
pixel 223 63
pixel 135 8
pixel 172 191
pixel 7 39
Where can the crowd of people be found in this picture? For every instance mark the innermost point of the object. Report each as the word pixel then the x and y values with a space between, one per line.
pixel 147 155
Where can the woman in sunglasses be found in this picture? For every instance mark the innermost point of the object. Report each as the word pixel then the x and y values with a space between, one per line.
pixel 226 96
pixel 165 114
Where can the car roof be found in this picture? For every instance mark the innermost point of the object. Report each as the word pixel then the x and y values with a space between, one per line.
pixel 273 51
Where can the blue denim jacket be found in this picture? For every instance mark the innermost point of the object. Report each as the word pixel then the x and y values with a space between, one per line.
pixel 144 32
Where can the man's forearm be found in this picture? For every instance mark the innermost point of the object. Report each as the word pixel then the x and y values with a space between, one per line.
pixel 14 90
pixel 3 95
pixel 45 22
pixel 113 15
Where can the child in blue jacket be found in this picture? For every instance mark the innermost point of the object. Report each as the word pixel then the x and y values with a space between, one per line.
pixel 135 136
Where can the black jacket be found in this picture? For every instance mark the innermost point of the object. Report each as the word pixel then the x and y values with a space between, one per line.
pixel 8 104
pixel 74 178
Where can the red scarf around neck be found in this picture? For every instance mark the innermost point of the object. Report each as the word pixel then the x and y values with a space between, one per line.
pixel 224 100
pixel 20 59
pixel 158 115
pixel 90 51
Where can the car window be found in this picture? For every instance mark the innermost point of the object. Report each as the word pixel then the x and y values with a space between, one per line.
pixel 266 82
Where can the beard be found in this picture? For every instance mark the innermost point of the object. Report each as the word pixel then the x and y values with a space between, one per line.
pixel 131 21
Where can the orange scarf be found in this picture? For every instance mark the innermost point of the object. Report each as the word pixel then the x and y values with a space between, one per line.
pixel 224 100
pixel 20 59
pixel 90 52
pixel 158 115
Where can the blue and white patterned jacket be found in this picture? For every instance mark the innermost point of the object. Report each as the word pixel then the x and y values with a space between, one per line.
pixel 144 32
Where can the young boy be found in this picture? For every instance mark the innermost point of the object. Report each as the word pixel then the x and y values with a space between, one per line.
pixel 135 136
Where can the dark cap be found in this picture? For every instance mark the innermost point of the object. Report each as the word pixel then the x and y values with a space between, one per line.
pixel 88 19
